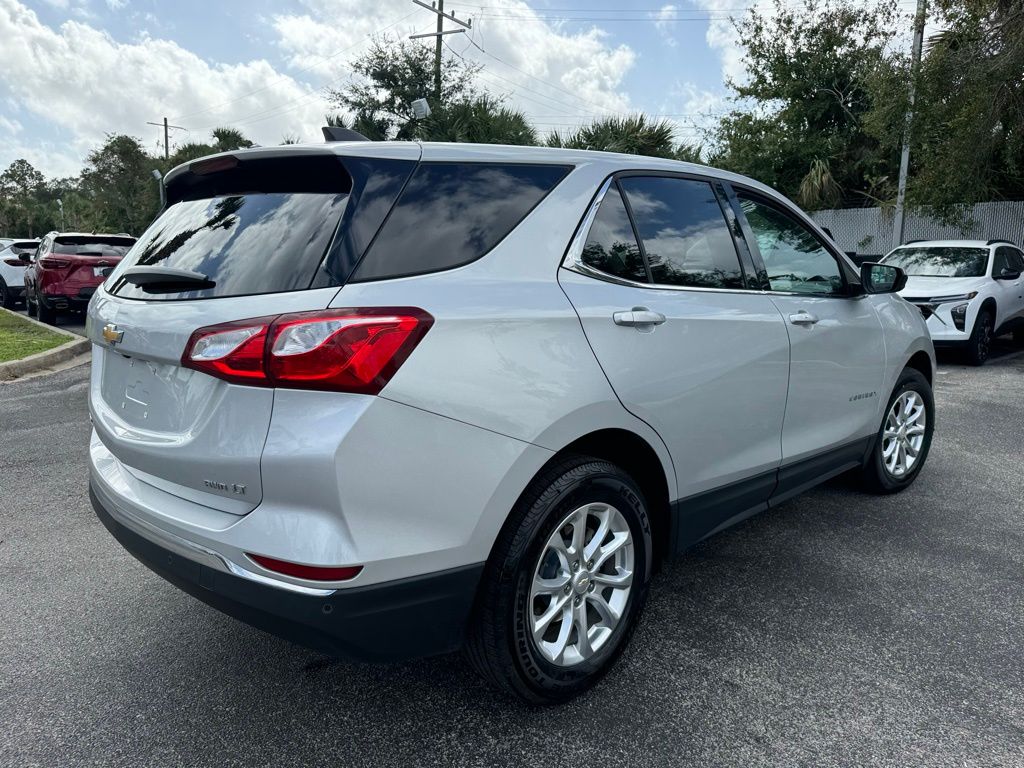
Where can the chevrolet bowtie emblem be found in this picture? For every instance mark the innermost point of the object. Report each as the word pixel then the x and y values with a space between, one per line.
pixel 111 333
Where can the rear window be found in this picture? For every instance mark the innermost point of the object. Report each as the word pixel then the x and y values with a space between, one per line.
pixel 244 244
pixel 93 245
pixel 940 261
pixel 450 214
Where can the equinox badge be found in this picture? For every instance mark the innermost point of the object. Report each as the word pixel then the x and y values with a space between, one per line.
pixel 112 334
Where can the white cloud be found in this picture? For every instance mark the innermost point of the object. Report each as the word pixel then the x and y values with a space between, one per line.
pixel 665 23
pixel 548 73
pixel 116 5
pixel 80 79
pixel 10 125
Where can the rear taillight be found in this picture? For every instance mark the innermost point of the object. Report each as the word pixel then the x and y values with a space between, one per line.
pixel 15 262
pixel 48 262
pixel 342 350
pixel 310 572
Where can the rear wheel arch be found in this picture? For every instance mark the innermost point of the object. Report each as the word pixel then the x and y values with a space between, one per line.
pixel 638 459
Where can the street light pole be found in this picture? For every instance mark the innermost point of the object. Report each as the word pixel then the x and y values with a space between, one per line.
pixel 915 65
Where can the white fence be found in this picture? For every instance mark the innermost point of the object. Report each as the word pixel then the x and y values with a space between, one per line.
pixel 868 231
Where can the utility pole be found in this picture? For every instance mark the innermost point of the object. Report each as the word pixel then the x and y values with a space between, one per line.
pixel 167 142
pixel 915 66
pixel 438 9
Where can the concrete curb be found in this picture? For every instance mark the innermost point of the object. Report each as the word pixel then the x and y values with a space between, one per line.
pixel 75 346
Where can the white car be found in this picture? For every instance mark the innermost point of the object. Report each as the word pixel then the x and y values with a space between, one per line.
pixel 387 399
pixel 12 270
pixel 970 291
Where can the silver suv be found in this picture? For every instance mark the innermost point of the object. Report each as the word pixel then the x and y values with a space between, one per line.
pixel 390 399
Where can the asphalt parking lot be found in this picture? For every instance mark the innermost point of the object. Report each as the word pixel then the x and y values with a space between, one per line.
pixel 839 629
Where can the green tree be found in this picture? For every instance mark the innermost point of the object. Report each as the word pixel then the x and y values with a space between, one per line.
pixel 118 180
pixel 968 130
pixel 798 122
pixel 393 74
pixel 482 120
pixel 633 134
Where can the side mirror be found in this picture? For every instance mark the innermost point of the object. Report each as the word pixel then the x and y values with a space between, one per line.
pixel 1007 274
pixel 882 278
pixel 25 257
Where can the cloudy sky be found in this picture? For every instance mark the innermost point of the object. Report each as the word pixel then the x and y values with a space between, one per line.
pixel 72 71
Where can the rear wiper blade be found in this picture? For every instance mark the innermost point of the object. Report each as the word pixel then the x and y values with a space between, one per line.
pixel 156 279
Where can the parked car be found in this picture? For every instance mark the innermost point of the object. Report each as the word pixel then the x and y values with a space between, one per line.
pixel 387 399
pixel 970 291
pixel 67 268
pixel 13 262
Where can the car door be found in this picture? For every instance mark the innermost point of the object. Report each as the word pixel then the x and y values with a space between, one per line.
pixel 837 352
pixel 32 270
pixel 686 343
pixel 1009 293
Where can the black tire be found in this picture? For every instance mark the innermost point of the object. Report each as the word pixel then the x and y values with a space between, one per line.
pixel 875 478
pixel 30 305
pixel 6 300
pixel 1018 337
pixel 980 344
pixel 500 643
pixel 46 314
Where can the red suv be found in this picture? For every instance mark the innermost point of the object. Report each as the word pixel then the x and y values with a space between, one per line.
pixel 67 268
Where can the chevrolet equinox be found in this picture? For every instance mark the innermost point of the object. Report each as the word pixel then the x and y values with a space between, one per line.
pixel 393 399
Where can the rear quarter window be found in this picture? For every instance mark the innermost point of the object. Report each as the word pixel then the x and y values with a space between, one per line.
pixel 451 214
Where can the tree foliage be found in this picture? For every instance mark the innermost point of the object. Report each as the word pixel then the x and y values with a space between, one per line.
pixel 798 121
pixel 391 75
pixel 633 134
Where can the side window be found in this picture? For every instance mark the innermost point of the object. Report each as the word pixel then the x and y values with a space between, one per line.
pixel 451 214
pixel 1007 258
pixel 611 245
pixel 1016 260
pixel 795 259
pixel 683 231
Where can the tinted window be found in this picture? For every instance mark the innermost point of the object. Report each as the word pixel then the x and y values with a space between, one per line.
pixel 684 232
pixel 794 258
pixel 450 214
pixel 1007 258
pixel 245 244
pixel 93 245
pixel 940 261
pixel 1016 259
pixel 611 245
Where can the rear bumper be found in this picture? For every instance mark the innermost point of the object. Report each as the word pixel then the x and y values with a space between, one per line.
pixel 395 620
pixel 76 302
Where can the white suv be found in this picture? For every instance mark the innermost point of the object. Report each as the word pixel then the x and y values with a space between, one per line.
pixel 970 291
pixel 387 399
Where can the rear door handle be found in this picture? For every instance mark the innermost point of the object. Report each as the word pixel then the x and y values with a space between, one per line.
pixel 638 316
pixel 803 318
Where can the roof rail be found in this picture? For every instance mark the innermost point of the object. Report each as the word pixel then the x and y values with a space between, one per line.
pixel 1001 240
pixel 919 240
pixel 337 133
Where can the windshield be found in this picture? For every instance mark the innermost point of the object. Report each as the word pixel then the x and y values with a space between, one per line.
pixel 936 261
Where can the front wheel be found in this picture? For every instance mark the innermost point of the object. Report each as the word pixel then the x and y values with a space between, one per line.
pixel 980 343
pixel 901 446
pixel 31 308
pixel 565 584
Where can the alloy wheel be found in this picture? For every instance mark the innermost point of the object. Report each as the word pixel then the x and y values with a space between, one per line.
pixel 581 584
pixel 903 436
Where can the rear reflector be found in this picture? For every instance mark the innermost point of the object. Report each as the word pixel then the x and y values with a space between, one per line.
pixel 338 350
pixel 310 572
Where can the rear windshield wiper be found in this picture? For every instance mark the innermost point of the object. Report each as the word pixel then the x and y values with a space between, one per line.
pixel 166 279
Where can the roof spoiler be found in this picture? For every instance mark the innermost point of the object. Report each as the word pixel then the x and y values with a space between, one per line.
pixel 337 133
pixel 1001 240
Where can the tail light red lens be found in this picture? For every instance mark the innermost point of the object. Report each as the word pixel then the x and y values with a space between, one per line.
pixel 310 572
pixel 48 262
pixel 15 262
pixel 344 350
